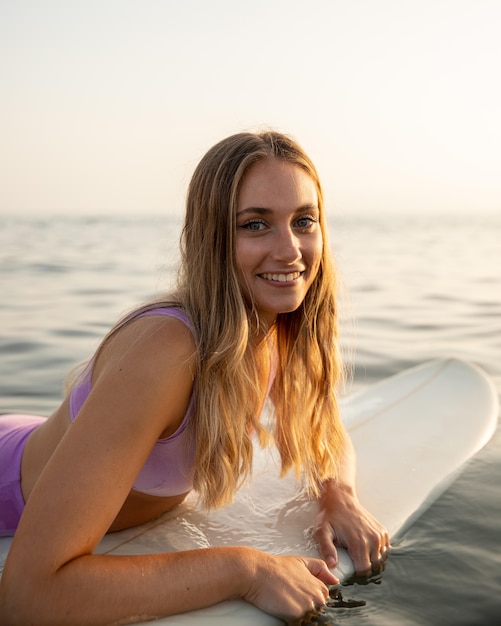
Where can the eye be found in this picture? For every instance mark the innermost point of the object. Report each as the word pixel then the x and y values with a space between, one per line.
pixel 306 222
pixel 254 226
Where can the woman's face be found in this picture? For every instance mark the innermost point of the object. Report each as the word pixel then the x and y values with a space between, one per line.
pixel 278 237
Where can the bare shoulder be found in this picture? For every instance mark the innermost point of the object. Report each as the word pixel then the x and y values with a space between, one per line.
pixel 145 373
pixel 152 342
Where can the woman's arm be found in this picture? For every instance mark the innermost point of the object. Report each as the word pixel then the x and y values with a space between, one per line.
pixel 343 521
pixel 141 388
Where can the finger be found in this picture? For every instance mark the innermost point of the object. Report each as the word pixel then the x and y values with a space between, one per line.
pixel 384 541
pixel 320 570
pixel 318 600
pixel 311 608
pixel 385 553
pixel 361 556
pixel 378 564
pixel 326 546
pixel 380 551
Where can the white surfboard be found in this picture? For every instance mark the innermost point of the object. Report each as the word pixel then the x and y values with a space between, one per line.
pixel 412 433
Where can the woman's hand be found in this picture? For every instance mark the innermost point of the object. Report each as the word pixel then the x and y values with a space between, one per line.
pixel 343 521
pixel 288 586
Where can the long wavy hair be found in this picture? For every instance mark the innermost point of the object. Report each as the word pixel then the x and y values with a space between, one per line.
pixel 307 428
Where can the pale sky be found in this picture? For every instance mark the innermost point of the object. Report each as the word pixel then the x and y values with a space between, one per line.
pixel 106 106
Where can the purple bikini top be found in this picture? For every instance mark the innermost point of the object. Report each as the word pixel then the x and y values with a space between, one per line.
pixel 169 469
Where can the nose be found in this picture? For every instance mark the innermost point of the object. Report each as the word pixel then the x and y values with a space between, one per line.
pixel 286 247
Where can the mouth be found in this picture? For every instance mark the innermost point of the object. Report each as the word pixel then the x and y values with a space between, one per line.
pixel 281 278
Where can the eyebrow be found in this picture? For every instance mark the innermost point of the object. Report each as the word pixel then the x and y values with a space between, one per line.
pixel 265 211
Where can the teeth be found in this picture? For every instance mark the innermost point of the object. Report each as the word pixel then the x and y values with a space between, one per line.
pixel 282 278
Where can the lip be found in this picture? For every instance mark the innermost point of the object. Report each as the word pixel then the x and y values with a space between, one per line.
pixel 281 278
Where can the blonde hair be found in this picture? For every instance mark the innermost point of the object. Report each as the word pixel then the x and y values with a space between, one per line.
pixel 308 431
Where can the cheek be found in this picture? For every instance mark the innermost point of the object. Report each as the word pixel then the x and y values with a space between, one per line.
pixel 316 252
pixel 247 254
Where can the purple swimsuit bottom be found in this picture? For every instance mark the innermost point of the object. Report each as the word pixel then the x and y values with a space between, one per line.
pixel 168 471
pixel 14 431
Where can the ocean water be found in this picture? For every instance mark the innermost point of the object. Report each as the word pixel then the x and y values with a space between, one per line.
pixel 414 288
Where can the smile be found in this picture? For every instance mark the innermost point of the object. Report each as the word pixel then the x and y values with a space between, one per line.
pixel 281 278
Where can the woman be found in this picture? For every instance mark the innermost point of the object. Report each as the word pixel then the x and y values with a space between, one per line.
pixel 169 403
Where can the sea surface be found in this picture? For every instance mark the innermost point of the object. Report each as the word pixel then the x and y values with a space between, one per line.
pixel 414 288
